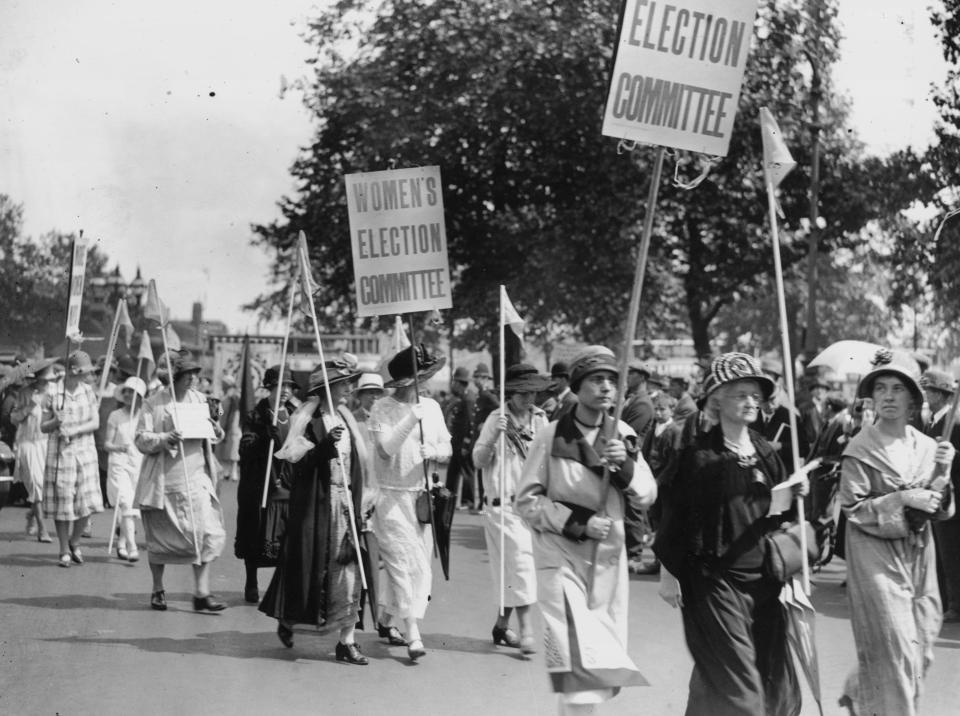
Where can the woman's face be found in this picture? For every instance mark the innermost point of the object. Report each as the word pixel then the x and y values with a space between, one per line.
pixel 188 381
pixel 739 402
pixel 598 390
pixel 521 402
pixel 891 398
pixel 341 391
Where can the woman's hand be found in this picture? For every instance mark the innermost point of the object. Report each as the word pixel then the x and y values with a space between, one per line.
pixel 920 498
pixel 598 527
pixel 427 453
pixel 172 438
pixel 502 422
pixel 944 454
pixel 416 410
pixel 800 489
pixel 669 590
pixel 336 433
pixel 614 453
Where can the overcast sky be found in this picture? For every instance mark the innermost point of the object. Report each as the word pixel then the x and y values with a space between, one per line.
pixel 159 129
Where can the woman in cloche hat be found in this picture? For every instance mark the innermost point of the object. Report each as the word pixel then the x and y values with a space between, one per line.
pixel 123 464
pixel 71 486
pixel 176 493
pixel 408 431
pixel 888 495
pixel 517 424
pixel 711 546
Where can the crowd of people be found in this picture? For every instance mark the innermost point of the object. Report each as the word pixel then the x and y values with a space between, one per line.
pixel 337 480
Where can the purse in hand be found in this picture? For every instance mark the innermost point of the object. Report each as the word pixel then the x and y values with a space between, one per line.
pixel 782 555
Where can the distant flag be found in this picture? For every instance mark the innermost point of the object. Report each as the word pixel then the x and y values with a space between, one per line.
pixel 513 349
pixel 400 340
pixel 155 310
pixel 511 317
pixel 124 320
pixel 308 287
pixel 173 340
pixel 248 398
pixel 777 161
pixel 146 352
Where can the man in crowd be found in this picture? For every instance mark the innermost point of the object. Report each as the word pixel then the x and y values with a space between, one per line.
pixel 638 406
pixel 486 403
pixel 460 408
pixel 685 404
pixel 813 415
pixel 563 400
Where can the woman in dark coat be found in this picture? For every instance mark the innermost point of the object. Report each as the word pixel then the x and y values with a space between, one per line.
pixel 316 585
pixel 260 531
pixel 711 547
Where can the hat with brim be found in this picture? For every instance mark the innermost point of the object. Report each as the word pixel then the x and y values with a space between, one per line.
pixel 731 367
pixel 638 366
pixel 338 370
pixel 935 379
pixel 183 365
pixel 272 374
pixel 657 380
pixel 886 362
pixel 136 385
pixel 370 381
pixel 482 371
pixel 79 363
pixel 524 378
pixel 401 371
pixel 593 359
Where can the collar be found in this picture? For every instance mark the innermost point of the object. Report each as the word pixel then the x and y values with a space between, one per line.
pixel 564 393
pixel 569 443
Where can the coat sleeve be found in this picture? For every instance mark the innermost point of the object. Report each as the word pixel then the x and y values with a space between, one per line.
pixel 881 515
pixel 485 448
pixel 147 439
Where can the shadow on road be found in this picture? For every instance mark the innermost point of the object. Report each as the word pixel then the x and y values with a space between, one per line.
pixel 469 536
pixel 236 644
pixel 134 602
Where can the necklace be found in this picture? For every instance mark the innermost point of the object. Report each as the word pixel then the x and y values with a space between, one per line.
pixel 592 426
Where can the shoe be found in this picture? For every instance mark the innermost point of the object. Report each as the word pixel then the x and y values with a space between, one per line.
pixel 65 560
pixel 528 645
pixel 505 636
pixel 75 554
pixel 133 556
pixel 122 553
pixel 951 616
pixel 158 601
pixel 415 649
pixel 285 634
pixel 208 603
pixel 350 653
pixel 391 634
pixel 45 538
pixel 641 568
pixel 251 595
pixel 87 531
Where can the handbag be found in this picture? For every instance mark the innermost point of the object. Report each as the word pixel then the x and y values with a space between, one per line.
pixel 782 555
pixel 424 507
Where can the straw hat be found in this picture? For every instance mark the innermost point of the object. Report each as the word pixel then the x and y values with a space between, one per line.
pixel 524 378
pixel 79 363
pixel 338 370
pixel 731 367
pixel 886 362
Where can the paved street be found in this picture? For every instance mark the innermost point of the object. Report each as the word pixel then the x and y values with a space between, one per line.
pixel 83 641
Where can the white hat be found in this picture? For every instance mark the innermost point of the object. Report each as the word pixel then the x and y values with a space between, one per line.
pixel 370 381
pixel 136 385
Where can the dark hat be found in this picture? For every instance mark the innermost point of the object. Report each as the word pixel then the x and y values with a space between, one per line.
pixel 481 371
pixel 272 375
pixel 657 380
pixel 182 362
pixel 935 379
pixel 338 370
pixel 731 367
pixel 886 362
pixel 836 402
pixel 560 370
pixel 79 363
pixel 400 366
pixel 127 365
pixel 461 374
pixel 593 359
pixel 524 378
pixel 680 380
pixel 640 366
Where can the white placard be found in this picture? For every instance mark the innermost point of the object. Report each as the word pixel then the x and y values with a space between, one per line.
pixel 193 421
pixel 677 72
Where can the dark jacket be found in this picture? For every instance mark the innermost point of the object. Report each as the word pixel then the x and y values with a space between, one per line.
pixel 936 431
pixel 638 413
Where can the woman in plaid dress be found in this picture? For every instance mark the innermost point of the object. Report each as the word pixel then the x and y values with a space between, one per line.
pixel 71 486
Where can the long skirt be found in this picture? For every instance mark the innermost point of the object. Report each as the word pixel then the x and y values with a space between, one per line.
pixel 405 549
pixel 736 632
pixel 174 531
pixel 519 569
pixel 30 466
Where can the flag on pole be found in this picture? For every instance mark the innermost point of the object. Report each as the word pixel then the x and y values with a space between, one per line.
pixel 308 287
pixel 155 310
pixel 173 340
pixel 511 318
pixel 777 160
pixel 512 348
pixel 146 352
pixel 124 320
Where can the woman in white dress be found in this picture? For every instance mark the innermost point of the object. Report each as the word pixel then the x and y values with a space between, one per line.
pixel 517 424
pixel 409 433
pixel 123 465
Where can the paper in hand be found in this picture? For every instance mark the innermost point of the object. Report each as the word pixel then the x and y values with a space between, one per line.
pixel 781 496
pixel 194 421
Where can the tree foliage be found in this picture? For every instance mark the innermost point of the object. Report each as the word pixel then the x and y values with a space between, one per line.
pixel 508 98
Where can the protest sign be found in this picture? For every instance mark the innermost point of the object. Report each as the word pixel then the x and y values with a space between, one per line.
pixel 677 72
pixel 399 241
pixel 78 268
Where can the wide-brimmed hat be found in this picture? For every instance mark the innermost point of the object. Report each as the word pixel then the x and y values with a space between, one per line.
pixel 272 375
pixel 79 363
pixel 592 359
pixel 342 369
pixel 370 381
pixel 524 378
pixel 771 365
pixel 657 380
pixel 887 362
pixel 641 367
pixel 731 367
pixel 400 366
pixel 183 363
pixel 482 371
pixel 461 375
pixel 937 379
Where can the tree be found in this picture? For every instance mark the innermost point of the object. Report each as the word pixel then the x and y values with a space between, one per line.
pixel 34 277
pixel 507 98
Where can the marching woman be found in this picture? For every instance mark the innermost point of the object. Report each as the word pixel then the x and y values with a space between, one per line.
pixel 260 532
pixel 518 423
pixel 123 464
pixel 711 545
pixel 407 433
pixel 31 447
pixel 71 485
pixel 886 495
pixel 561 497
pixel 317 581
pixel 176 493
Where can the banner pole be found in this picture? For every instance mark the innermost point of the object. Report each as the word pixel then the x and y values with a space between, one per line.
pixel 502 460
pixel 629 332
pixel 108 358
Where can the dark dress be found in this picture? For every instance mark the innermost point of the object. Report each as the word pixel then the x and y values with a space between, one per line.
pixel 259 531
pixel 711 539
pixel 310 585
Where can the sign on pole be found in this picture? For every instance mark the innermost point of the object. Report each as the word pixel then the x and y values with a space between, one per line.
pixel 677 72
pixel 399 241
pixel 78 267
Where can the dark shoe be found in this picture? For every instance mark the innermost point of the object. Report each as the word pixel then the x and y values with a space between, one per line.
pixel 251 595
pixel 285 635
pixel 505 636
pixel 392 635
pixel 951 616
pixel 415 650
pixel 75 554
pixel 158 601
pixel 350 653
pixel 208 603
